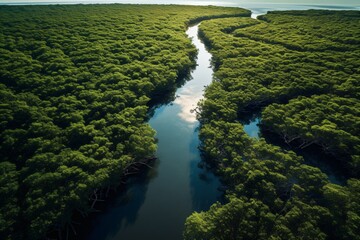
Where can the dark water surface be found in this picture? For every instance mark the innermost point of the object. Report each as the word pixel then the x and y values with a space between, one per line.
pixel 313 156
pixel 156 206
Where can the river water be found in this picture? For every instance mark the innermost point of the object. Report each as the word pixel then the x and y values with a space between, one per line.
pixel 156 205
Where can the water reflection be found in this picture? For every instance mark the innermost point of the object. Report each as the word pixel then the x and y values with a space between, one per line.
pixel 187 101
pixel 252 128
pixel 121 211
pixel 203 183
pixel 164 98
pixel 187 98
pixel 327 164
pixel 157 209
pixel 313 156
pixel 251 123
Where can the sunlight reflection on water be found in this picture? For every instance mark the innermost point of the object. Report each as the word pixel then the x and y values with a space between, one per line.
pixel 188 97
pixel 187 102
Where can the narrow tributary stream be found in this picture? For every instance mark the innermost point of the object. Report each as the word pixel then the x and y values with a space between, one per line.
pixel 156 205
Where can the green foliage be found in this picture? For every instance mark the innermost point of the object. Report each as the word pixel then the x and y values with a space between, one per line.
pixel 304 67
pixel 75 83
pixel 254 70
pixel 238 219
pixel 327 120
pixel 9 208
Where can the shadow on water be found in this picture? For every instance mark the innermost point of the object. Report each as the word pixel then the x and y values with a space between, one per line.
pixel 169 95
pixel 313 156
pixel 201 177
pixel 121 208
pixel 156 207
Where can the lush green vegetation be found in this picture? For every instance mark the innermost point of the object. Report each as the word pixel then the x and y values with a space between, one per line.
pixel 75 84
pixel 303 66
pixel 330 121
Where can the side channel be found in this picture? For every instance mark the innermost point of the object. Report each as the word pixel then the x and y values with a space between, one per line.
pixel 156 206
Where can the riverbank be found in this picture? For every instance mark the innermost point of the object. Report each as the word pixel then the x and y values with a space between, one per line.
pixel 75 82
pixel 279 64
pixel 179 186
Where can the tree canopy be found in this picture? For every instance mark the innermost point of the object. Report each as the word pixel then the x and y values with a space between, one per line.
pixel 300 69
pixel 75 82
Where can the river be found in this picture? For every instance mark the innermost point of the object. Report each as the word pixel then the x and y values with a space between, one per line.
pixel 156 205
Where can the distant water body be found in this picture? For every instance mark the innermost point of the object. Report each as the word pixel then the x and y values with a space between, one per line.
pixel 258 7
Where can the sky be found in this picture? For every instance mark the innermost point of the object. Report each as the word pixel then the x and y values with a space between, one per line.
pixel 258 7
pixel 198 2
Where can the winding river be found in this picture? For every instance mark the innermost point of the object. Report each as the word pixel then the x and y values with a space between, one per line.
pixel 156 205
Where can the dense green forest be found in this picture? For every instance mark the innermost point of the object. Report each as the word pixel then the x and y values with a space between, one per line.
pixel 75 85
pixel 301 70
